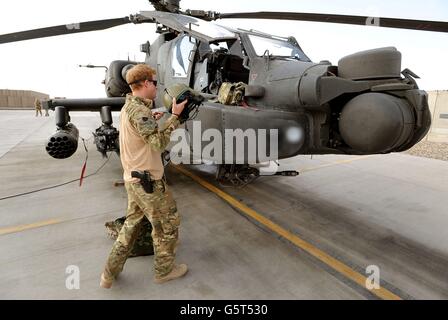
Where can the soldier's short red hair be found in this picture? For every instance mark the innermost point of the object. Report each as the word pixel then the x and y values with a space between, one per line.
pixel 139 73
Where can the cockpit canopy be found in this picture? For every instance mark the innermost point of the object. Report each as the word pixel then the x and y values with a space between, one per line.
pixel 268 46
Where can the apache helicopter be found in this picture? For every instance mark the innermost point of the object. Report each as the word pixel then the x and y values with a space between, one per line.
pixel 366 104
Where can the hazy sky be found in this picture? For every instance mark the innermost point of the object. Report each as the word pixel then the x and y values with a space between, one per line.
pixel 50 65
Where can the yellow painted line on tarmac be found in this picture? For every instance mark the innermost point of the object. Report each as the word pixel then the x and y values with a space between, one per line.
pixel 331 164
pixel 24 227
pixel 302 244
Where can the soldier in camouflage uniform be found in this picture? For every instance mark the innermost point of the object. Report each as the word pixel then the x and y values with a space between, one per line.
pixel 38 107
pixel 141 145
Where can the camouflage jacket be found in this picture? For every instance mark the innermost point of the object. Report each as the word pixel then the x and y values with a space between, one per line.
pixel 140 116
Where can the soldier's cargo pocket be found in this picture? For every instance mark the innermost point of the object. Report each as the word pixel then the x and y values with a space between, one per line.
pixel 170 222
pixel 168 213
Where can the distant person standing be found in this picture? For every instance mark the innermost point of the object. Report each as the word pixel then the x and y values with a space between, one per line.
pixel 38 106
pixel 46 111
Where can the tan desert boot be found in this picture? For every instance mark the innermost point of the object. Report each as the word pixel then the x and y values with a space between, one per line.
pixel 179 270
pixel 104 283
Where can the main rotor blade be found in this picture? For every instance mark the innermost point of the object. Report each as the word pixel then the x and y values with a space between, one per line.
pixel 423 25
pixel 64 29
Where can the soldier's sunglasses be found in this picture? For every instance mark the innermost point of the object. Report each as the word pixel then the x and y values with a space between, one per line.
pixel 154 82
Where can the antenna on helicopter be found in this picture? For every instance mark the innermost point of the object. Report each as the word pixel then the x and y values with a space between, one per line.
pixel 92 66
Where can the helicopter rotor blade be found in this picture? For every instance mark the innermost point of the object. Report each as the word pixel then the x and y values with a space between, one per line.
pixel 423 25
pixel 69 29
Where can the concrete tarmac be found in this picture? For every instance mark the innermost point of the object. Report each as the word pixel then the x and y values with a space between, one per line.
pixel 388 211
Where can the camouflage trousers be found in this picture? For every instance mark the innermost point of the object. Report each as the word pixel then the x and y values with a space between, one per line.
pixel 160 209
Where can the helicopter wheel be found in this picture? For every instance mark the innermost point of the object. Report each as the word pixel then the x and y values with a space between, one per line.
pixel 236 175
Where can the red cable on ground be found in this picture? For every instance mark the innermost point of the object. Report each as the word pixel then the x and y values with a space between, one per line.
pixel 83 170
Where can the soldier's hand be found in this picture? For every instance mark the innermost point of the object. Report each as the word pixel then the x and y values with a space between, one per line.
pixel 178 108
pixel 157 115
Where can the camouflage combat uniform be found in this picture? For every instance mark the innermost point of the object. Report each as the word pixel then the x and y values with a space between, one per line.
pixel 38 107
pixel 141 144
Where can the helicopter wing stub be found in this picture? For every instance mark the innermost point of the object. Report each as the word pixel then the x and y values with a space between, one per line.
pixel 91 104
pixel 71 28
pixel 198 28
pixel 422 25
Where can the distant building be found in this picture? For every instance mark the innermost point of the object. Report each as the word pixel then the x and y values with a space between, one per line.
pixel 438 104
pixel 19 99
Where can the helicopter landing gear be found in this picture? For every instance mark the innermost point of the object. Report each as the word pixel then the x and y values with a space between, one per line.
pixel 236 175
pixel 240 175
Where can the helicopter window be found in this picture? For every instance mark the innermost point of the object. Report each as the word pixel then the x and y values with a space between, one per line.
pixel 181 57
pixel 274 47
pixel 219 46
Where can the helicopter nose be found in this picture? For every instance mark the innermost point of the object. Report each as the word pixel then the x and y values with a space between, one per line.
pixel 376 122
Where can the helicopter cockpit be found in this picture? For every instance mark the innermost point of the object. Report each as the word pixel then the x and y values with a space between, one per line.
pixel 264 45
pixel 204 54
pixel 220 62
